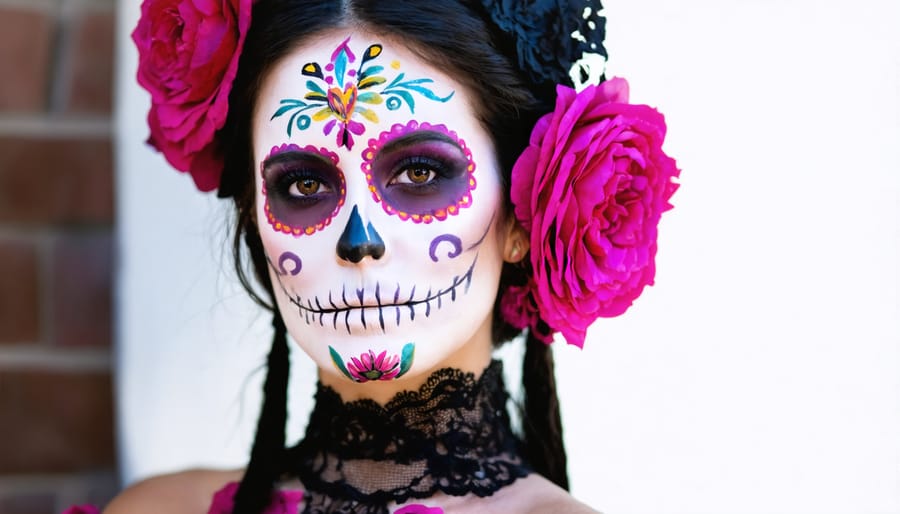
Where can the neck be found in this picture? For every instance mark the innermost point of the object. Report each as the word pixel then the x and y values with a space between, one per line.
pixel 451 435
pixel 472 357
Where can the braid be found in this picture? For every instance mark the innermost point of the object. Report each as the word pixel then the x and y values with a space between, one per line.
pixel 265 465
pixel 544 448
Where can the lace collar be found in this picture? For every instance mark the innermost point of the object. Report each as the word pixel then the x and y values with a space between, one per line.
pixel 452 435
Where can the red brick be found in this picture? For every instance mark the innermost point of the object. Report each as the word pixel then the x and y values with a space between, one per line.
pixel 81 281
pixel 19 308
pixel 25 53
pixel 92 63
pixel 28 503
pixel 55 422
pixel 55 181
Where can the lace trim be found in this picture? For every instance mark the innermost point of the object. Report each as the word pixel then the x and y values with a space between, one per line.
pixel 452 435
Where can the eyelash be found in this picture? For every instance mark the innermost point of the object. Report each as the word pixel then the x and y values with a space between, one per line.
pixel 442 170
pixel 287 178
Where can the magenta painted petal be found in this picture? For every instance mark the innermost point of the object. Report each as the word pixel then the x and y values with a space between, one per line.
pixel 390 374
pixel 380 359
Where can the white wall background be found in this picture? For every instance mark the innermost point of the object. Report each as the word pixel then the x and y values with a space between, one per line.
pixel 760 375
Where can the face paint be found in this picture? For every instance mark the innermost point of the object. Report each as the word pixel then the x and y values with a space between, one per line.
pixel 449 238
pixel 337 98
pixel 288 264
pixel 304 189
pixel 420 172
pixel 371 367
pixel 376 289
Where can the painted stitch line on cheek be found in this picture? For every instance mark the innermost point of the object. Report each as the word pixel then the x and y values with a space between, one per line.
pixel 429 146
pixel 290 210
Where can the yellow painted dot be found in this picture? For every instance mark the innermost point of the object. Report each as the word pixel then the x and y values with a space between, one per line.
pixel 310 230
pixel 395 64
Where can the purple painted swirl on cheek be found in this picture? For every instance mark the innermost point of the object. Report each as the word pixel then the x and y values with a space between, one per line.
pixel 448 238
pixel 289 257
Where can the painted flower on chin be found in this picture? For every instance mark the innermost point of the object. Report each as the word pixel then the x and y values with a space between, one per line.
pixel 590 189
pixel 369 367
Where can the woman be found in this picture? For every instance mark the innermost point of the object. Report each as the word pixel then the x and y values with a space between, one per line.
pixel 414 190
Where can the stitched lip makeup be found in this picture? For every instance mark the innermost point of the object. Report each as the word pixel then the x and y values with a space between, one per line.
pixel 351 308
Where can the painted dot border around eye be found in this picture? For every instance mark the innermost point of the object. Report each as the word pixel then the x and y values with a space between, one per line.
pixel 285 228
pixel 397 130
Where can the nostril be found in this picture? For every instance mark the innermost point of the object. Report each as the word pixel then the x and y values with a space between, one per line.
pixel 358 240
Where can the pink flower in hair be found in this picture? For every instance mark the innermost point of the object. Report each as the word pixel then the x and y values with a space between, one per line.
pixel 590 189
pixel 188 53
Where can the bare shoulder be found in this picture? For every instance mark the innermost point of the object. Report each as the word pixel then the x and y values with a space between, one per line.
pixel 537 495
pixel 187 492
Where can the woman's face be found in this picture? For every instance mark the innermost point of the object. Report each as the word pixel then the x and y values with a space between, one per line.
pixel 379 205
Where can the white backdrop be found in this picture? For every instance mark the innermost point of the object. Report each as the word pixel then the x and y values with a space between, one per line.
pixel 760 375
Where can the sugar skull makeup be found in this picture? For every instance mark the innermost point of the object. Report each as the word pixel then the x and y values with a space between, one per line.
pixel 378 205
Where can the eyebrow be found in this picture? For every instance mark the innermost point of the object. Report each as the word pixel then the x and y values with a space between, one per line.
pixel 294 155
pixel 419 136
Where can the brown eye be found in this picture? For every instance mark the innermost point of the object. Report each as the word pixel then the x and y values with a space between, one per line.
pixel 416 175
pixel 306 187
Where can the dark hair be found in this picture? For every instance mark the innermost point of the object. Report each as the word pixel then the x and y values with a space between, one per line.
pixel 453 35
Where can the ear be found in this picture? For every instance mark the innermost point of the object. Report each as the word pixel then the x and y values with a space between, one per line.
pixel 516 243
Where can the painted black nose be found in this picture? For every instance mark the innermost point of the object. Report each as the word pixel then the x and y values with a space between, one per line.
pixel 359 241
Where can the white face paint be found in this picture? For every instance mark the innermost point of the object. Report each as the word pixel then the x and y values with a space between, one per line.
pixel 378 204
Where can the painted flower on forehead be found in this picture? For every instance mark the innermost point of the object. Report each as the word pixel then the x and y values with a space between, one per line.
pixel 188 52
pixel 339 93
pixel 590 189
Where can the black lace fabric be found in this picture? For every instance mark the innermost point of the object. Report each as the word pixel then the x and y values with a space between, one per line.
pixel 453 435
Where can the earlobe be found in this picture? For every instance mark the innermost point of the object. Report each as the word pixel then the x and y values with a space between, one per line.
pixel 516 243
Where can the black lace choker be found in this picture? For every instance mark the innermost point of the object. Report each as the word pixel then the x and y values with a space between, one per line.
pixel 453 436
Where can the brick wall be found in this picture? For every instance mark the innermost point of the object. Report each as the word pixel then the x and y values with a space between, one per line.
pixel 56 254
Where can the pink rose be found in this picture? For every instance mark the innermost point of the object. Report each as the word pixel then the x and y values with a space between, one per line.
pixel 590 189
pixel 188 57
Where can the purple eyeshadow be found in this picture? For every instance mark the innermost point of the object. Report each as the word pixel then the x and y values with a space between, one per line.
pixel 286 165
pixel 420 145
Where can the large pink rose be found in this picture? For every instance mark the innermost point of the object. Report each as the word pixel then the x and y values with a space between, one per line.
pixel 188 57
pixel 590 189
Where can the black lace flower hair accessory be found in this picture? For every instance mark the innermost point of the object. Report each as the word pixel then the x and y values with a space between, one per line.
pixel 553 38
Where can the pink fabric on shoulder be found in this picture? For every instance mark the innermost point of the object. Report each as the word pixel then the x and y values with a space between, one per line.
pixel 283 502
pixel 81 509
pixel 418 508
